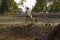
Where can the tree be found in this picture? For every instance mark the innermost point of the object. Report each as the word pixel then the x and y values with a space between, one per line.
pixel 56 6
pixel 41 5
pixel 3 6
pixel 8 6
pixel 12 7
pixel 0 2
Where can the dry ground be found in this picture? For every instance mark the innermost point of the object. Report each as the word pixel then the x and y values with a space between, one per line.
pixel 22 32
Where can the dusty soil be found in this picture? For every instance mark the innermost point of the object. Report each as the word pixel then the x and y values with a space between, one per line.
pixel 23 32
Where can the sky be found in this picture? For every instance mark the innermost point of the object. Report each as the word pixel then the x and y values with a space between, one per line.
pixel 28 3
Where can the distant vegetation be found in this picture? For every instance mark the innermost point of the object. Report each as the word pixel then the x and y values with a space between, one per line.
pixel 8 7
pixel 41 5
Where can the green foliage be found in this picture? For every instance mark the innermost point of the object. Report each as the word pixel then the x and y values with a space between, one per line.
pixel 8 6
pixel 0 3
pixel 41 5
pixel 55 7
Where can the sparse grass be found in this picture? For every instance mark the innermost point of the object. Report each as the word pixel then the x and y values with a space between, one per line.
pixel 15 32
